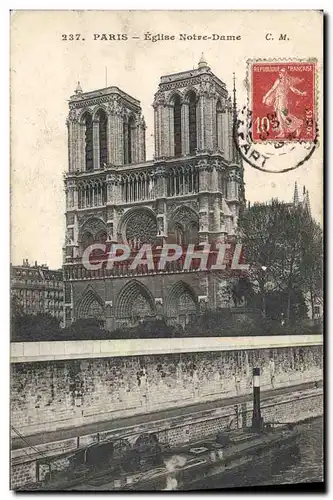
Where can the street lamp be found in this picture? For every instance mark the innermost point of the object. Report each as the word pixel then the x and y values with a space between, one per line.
pixel 263 268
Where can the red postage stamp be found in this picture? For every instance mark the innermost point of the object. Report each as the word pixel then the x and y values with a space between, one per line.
pixel 283 101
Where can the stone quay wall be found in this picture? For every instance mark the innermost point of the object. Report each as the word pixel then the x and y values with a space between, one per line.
pixel 61 393
pixel 285 408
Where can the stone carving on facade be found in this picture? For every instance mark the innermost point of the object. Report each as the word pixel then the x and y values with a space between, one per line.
pixel 218 165
pixel 160 225
pixel 69 236
pixel 159 99
pixel 110 234
pixel 193 204
pixel 203 304
pixel 93 225
pixel 115 107
pixel 207 87
pixel 141 121
pixel 205 165
pixel 73 115
pixel 85 216
pixel 233 175
pixel 184 216
pixel 224 292
pixel 70 219
pixel 179 84
pixel 158 172
pixel 141 227
pixel 113 178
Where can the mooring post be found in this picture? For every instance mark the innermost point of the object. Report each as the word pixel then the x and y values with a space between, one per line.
pixel 256 415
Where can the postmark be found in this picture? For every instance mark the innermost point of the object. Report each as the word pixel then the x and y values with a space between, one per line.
pixel 277 130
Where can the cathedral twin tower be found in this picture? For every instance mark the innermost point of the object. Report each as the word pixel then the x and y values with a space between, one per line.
pixel 189 193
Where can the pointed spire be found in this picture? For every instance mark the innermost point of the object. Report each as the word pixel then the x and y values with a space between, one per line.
pixel 296 198
pixel 307 202
pixel 202 62
pixel 78 89
pixel 234 94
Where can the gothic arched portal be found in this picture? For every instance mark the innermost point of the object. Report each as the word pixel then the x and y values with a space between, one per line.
pixel 91 306
pixel 182 303
pixel 134 302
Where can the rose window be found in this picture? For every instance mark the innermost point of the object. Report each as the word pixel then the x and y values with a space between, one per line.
pixel 141 228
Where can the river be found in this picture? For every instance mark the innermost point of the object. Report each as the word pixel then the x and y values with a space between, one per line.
pixel 301 465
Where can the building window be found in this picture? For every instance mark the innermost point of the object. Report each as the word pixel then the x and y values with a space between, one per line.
pixel 103 150
pixel 89 142
pixel 219 117
pixel 192 122
pixel 177 126
pixel 127 133
pixel 129 139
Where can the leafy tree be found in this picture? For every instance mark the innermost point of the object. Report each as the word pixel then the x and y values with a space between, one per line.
pixel 283 246
pixel 16 308
pixel 30 327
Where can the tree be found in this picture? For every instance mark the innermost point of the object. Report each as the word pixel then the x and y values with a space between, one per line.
pixel 283 246
pixel 260 230
pixel 35 327
pixel 16 308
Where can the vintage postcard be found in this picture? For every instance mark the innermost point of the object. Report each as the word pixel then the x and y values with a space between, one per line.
pixel 166 250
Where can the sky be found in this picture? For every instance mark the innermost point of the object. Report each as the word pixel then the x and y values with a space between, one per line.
pixel 45 69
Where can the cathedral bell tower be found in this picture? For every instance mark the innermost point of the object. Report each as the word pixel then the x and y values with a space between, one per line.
pixel 193 123
pixel 193 114
pixel 106 132
pixel 105 127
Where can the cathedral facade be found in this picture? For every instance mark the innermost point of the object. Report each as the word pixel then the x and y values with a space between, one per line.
pixel 190 192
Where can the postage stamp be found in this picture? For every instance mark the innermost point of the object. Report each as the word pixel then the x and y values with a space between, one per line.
pixel 283 101
pixel 277 130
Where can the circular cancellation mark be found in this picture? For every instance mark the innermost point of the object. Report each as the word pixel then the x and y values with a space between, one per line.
pixel 270 156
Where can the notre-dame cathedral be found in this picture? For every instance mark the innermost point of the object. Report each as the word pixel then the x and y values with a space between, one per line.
pixel 190 192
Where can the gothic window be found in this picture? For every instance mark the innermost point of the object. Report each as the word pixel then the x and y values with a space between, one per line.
pixel 182 181
pixel 179 235
pixel 141 228
pixel 88 141
pixel 192 122
pixel 218 138
pixel 127 134
pixel 91 194
pixel 184 226
pixel 101 237
pixel 192 233
pixel 87 240
pixel 103 122
pixel 129 139
pixel 177 126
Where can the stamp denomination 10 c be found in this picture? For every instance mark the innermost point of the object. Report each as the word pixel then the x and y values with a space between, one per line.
pixel 283 101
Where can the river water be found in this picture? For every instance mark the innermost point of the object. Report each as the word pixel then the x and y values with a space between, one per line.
pixel 302 464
